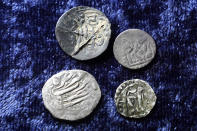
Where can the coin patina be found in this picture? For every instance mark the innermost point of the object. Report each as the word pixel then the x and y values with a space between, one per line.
pixel 134 48
pixel 83 32
pixel 134 98
pixel 71 95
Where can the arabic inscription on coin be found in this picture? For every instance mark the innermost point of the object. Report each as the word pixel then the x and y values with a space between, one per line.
pixel 83 32
pixel 135 98
pixel 134 48
pixel 71 95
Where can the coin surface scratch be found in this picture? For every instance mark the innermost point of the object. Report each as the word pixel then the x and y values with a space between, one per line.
pixel 83 32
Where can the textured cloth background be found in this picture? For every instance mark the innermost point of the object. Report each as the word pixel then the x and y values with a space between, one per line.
pixel 30 54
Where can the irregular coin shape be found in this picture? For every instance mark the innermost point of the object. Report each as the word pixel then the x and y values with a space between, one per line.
pixel 134 48
pixel 71 95
pixel 135 98
pixel 83 32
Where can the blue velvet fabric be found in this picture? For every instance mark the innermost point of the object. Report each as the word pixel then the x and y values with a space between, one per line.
pixel 30 54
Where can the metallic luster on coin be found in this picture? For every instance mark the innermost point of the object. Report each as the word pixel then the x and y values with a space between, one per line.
pixel 71 95
pixel 134 48
pixel 135 98
pixel 83 32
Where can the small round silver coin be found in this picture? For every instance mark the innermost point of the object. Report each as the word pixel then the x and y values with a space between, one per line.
pixel 134 48
pixel 134 98
pixel 83 32
pixel 71 94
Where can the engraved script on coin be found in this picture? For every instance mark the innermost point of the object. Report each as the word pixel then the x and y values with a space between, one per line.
pixel 134 48
pixel 83 32
pixel 135 98
pixel 71 95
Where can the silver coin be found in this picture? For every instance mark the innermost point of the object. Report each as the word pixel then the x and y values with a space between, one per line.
pixel 83 32
pixel 134 48
pixel 71 95
pixel 135 98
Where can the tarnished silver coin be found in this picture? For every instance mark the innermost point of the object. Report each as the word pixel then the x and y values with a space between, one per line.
pixel 135 98
pixel 71 95
pixel 134 48
pixel 83 32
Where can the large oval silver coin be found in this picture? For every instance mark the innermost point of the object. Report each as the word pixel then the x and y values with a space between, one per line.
pixel 83 32
pixel 134 98
pixel 71 94
pixel 134 48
